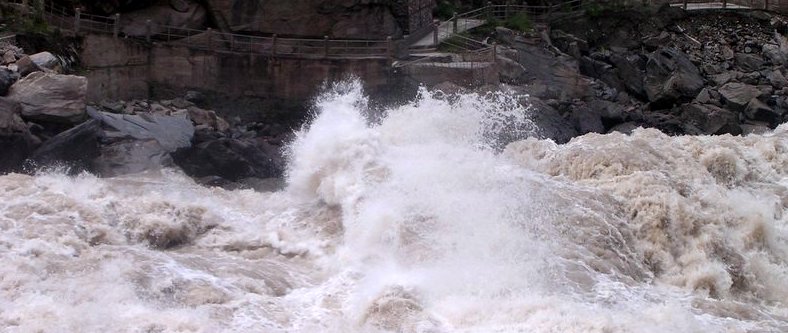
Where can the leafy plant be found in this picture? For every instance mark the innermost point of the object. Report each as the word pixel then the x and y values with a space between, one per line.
pixel 519 22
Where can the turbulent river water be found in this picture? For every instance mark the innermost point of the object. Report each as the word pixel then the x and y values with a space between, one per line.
pixel 419 220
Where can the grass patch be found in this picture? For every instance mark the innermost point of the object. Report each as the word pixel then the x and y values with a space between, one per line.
pixel 519 22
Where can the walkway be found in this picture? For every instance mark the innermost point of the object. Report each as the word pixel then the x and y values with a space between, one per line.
pixel 446 30
pixel 709 5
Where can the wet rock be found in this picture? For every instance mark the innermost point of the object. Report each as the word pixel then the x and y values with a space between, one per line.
pixel 7 78
pixel 75 148
pixel 9 57
pixel 711 119
pixel 737 95
pixel 759 111
pixel 51 97
pixel 16 141
pixel 671 77
pixel 231 159
pixel 586 120
pixel 600 70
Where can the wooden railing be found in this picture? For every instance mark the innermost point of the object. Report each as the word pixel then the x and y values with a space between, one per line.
pixel 76 22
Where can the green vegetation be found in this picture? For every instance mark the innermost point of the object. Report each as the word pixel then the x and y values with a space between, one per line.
pixel 445 10
pixel 519 22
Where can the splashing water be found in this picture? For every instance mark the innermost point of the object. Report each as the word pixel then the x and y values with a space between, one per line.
pixel 420 222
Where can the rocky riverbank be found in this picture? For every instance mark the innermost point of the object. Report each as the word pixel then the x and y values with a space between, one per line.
pixel 46 122
pixel 682 72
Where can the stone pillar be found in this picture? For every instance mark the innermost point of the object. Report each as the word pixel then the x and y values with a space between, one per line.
pixel 273 46
pixel 77 18
pixel 435 27
pixel 454 23
pixel 116 26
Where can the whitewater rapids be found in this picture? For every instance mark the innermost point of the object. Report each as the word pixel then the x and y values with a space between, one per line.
pixel 419 221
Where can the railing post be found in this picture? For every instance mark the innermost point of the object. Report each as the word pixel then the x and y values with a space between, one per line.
pixel 435 27
pixel 489 11
pixel 765 4
pixel 325 46
pixel 273 46
pixel 454 23
pixel 77 14
pixel 148 30
pixel 209 32
pixel 389 49
pixel 116 27
pixel 685 5
pixel 494 53
pixel 724 4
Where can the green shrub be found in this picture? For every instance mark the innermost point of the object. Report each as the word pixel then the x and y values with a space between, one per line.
pixel 519 22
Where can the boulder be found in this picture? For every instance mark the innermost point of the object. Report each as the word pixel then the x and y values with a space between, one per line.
pixel 600 70
pixel 737 95
pixel 25 66
pixel 749 62
pixel 75 148
pixel 231 159
pixel 759 111
pixel 16 142
pixel 170 132
pixel 772 53
pixel 630 73
pixel 586 120
pixel 711 119
pixel 505 35
pixel 207 118
pixel 51 97
pixel 777 79
pixel 46 60
pixel 671 77
pixel 9 57
pixel 7 78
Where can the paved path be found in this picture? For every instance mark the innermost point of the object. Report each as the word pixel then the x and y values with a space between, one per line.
pixel 446 30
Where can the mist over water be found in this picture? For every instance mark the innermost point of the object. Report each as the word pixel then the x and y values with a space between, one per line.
pixel 423 221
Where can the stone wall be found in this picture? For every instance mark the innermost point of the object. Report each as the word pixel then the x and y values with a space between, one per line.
pixel 125 69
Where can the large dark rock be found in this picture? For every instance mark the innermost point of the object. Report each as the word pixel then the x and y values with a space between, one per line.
pixel 187 15
pixel 75 148
pixel 600 70
pixel 16 142
pixel 25 66
pixel 586 120
pixel 711 119
pixel 7 78
pixel 759 111
pixel 630 73
pixel 737 95
pixel 230 159
pixel 51 97
pixel 671 77
pixel 135 143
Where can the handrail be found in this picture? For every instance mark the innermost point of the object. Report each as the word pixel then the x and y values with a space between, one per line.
pixel 77 22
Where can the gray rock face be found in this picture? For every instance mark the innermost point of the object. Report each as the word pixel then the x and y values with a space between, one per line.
pixel 749 62
pixel 16 142
pixel 75 148
pixel 187 14
pixel 171 132
pixel 337 19
pixel 777 79
pixel 737 95
pixel 46 60
pixel 670 76
pixel 773 54
pixel 51 97
pixel 231 159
